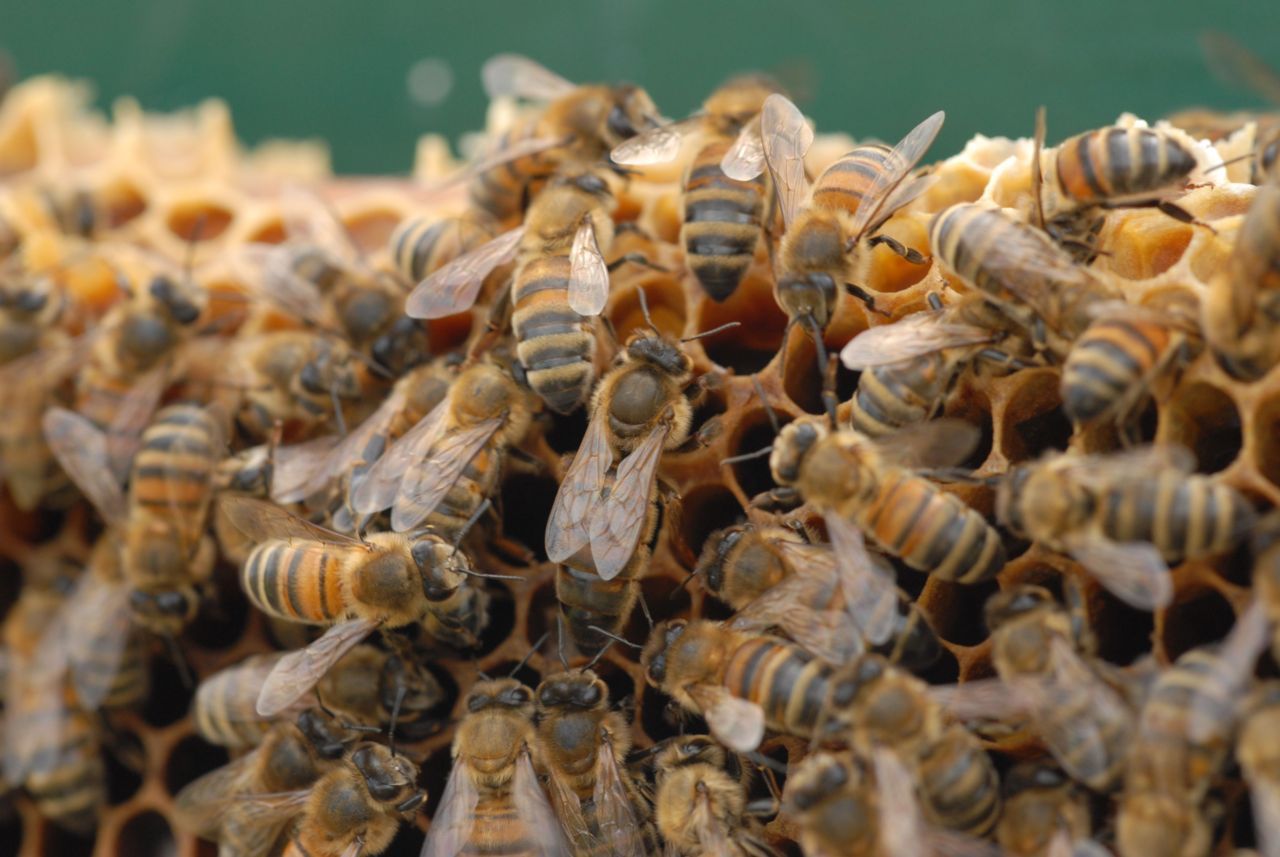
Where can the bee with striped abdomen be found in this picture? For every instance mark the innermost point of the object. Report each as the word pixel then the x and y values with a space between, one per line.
pixel 302 378
pixel 722 215
pixel 1125 515
pixel 1041 802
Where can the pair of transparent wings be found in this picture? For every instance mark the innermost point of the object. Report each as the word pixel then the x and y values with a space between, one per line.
pixel 617 827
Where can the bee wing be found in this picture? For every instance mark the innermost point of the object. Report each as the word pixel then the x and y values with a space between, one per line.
pixel 1238 653
pixel 37 719
pixel 616 523
pixel 914 336
pixel 1134 572
pixel 1234 64
pixel 785 138
pixel 712 835
pixel 615 812
pixel 736 723
pixel 655 146
pixel 132 417
pixel 508 152
pixel 1104 470
pixel 979 699
pixel 81 448
pixel 381 483
pixel 201 806
pixel 261 521
pixel 588 273
pixel 520 77
pixel 936 443
pixel 567 806
pixel 568 527
pixel 451 826
pixel 898 164
pixel 267 271
pixel 540 824
pixel 310 219
pixel 1034 270
pixel 99 629
pixel 745 158
pixel 452 288
pixel 828 634
pixel 901 827
pixel 427 482
pixel 867 583
pixel 297 672
pixel 1264 794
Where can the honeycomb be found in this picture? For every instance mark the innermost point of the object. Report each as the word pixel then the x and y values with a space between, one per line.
pixel 170 180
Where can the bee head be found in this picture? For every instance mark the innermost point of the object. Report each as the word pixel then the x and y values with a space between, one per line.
pixel 792 447
pixel 631 112
pixel 653 658
pixel 582 690
pixel 1016 601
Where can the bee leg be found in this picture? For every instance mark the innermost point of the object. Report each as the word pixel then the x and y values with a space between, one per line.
pixel 123 745
pixel 778 499
pixel 1002 358
pixel 524 462
pixel 956 475
pixel 1180 214
pixel 632 227
pixel 913 256
pixel 860 294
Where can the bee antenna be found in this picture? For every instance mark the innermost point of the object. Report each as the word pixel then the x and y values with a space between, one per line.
pixel 747 456
pixel 644 308
pixel 179 660
pixel 320 703
pixel 533 650
pixel 768 409
pixel 763 761
pixel 564 662
pixel 1224 164
pixel 401 690
pixel 712 331
pixel 611 330
pixel 337 411
pixel 469 572
pixel 644 608
pixel 484 675
pixel 612 636
pixel 598 655
pixel 688 578
pixel 470 522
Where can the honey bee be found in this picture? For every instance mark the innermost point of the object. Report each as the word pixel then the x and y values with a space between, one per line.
pixel 443 469
pixel 30 310
pixel 700 807
pixel 1256 752
pixel 1242 309
pixel 1086 724
pixel 1040 802
pixel 421 245
pixel 1124 516
pixel 1235 64
pixel 722 217
pixel 911 366
pixel 1113 365
pixel 739 682
pixel 740 563
pixel 1185 734
pixel 1022 271
pixel 247 804
pixel 492 803
pixel 1105 168
pixel 301 377
pixel 583 744
pixel 357 807
pixel 303 572
pixel 578 125
pixel 875 706
pixel 831 228
pixel 607 505
pixel 860 485
pixel 561 281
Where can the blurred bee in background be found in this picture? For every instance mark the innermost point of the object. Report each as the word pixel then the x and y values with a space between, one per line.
pixel 157 559
pixel 577 125
pixel 1106 168
pixel 1185 734
pixel 247 804
pixel 305 573
pixel 1124 516
pixel 911 366
pixel 493 803
pixel 421 245
pixel 357 807
pixel 722 218
pixel 874 706
pixel 1022 271
pixel 700 805
pixel 1256 751
pixel 832 227
pixel 441 472
pixel 1234 64
pixel 301 378
pixel 1266 572
pixel 1242 309
pixel 583 743
pixel 561 281
pixel 31 308
pixel 1041 802
pixel 740 682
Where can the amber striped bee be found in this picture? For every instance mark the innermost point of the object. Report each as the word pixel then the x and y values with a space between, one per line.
pixel 247 805
pixel 303 378
pixel 1185 735
pixel 583 745
pixel 1041 803
pixel 910 367
pixel 561 281
pixel 875 705
pixel 864 486
pixel 700 805
pixel 493 803
pixel 1125 515
pixel 1256 751
pixel 1113 167
pixel 739 681
pixel 440 472
pixel 1022 271
pixel 1242 309
pixel 831 227
pixel 722 217
pixel 358 806
pixel 305 573
pixel 578 125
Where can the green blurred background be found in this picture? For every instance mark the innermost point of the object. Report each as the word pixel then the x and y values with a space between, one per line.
pixel 341 69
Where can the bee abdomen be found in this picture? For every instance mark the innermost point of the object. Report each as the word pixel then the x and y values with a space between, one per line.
pixel 960 787
pixel 297 582
pixel 1108 363
pixel 891 397
pixel 721 223
pixel 782 679
pixel 1185 517
pixel 420 246
pixel 845 183
pixel 503 190
pixel 554 343
pixel 1111 163
pixel 586 600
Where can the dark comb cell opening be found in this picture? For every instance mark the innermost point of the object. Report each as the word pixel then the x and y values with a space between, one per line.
pixel 123 202
pixel 370 230
pixel 435 772
pixel 982 449
pixel 60 841
pixel 755 432
pixel 526 503
pixel 751 347
pixel 665 599
pixel 192 758
pixel 564 434
pixel 803 379
pixel 706 509
pixel 271 232
pixel 945 670
pixel 408 842
pixel 161 709
pixel 125 761
pixel 1268 436
pixel 198 221
pixel 502 618
pixel 1123 633
pixel 622 689
pixel 1205 420
pixel 222 619
pixel 662 718
pixel 1034 420
pixel 1201 619
pixel 542 618
pixel 10 833
pixel 665 300
pixel 525 674
pixel 959 621
pixel 144 835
